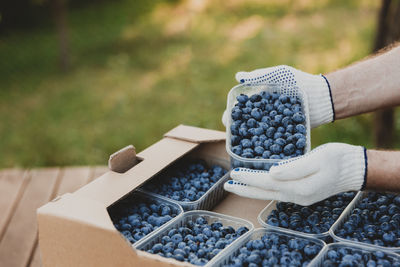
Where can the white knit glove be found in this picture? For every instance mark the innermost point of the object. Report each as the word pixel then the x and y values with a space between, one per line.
pixel 325 171
pixel 316 87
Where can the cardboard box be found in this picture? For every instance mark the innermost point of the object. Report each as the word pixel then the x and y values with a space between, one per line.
pixel 75 229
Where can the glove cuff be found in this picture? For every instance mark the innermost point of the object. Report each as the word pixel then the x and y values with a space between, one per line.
pixel 353 172
pixel 320 100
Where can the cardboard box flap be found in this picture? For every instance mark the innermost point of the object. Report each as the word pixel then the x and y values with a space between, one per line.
pixel 123 160
pixel 195 134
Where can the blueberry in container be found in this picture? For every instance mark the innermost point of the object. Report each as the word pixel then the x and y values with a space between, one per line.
pixel 347 254
pixel 214 194
pixel 303 249
pixel 170 230
pixel 271 127
pixel 128 217
pixel 314 221
pixel 372 219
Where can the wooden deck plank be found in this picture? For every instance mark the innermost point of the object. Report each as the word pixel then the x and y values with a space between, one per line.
pixel 12 183
pixel 97 171
pixel 72 179
pixel 18 242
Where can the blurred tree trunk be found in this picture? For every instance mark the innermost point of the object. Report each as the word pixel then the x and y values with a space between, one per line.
pixel 60 11
pixel 388 31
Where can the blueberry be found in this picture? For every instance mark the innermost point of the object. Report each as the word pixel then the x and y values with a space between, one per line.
pixel 255 98
pixel 301 143
pixel 270 132
pixel 278 119
pixel 243 132
pixel 259 131
pixel 280 141
pixel 268 143
pixel 290 128
pixel 246 111
pixel 249 104
pixel 288 112
pixel 259 150
pixel 289 149
pixel 281 129
pixel 256 113
pixel 300 128
pixel 273 222
pixel 286 121
pixel 242 98
pixel 276 149
pixel 298 117
pixel 266 154
pixel 235 140
pixel 251 123
pixel 245 143
pixel 236 114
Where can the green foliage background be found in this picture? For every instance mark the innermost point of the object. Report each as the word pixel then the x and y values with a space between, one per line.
pixel 140 68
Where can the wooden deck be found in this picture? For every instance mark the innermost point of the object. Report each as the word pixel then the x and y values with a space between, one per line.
pixel 21 193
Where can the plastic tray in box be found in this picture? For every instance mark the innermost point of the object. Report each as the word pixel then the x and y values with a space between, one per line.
pixel 226 255
pixel 263 216
pixel 250 89
pixel 211 197
pixel 343 218
pixel 318 261
pixel 181 220
pixel 136 197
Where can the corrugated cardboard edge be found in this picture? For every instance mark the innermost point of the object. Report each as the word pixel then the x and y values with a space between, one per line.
pixel 195 134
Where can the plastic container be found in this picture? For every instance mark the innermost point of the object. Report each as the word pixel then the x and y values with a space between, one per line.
pixel 213 195
pixel 250 89
pixel 263 216
pixel 136 197
pixel 318 261
pixel 343 218
pixel 226 256
pixel 155 237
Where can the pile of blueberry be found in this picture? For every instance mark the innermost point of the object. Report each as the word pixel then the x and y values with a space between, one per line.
pixel 135 221
pixel 276 250
pixel 347 256
pixel 197 241
pixel 374 220
pixel 268 126
pixel 314 219
pixel 189 182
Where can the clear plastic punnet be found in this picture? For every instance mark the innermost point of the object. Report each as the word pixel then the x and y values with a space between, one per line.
pixel 343 218
pixel 226 256
pixel 137 197
pixel 263 217
pixel 323 254
pixel 213 195
pixel 181 220
pixel 250 89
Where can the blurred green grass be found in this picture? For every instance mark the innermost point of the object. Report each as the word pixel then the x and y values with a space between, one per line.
pixel 140 68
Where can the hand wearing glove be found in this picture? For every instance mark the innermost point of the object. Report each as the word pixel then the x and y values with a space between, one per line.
pixel 325 171
pixel 316 87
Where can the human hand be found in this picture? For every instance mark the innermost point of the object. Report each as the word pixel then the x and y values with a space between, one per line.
pixel 325 171
pixel 316 87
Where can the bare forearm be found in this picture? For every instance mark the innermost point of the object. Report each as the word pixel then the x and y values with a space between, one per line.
pixel 367 86
pixel 383 170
